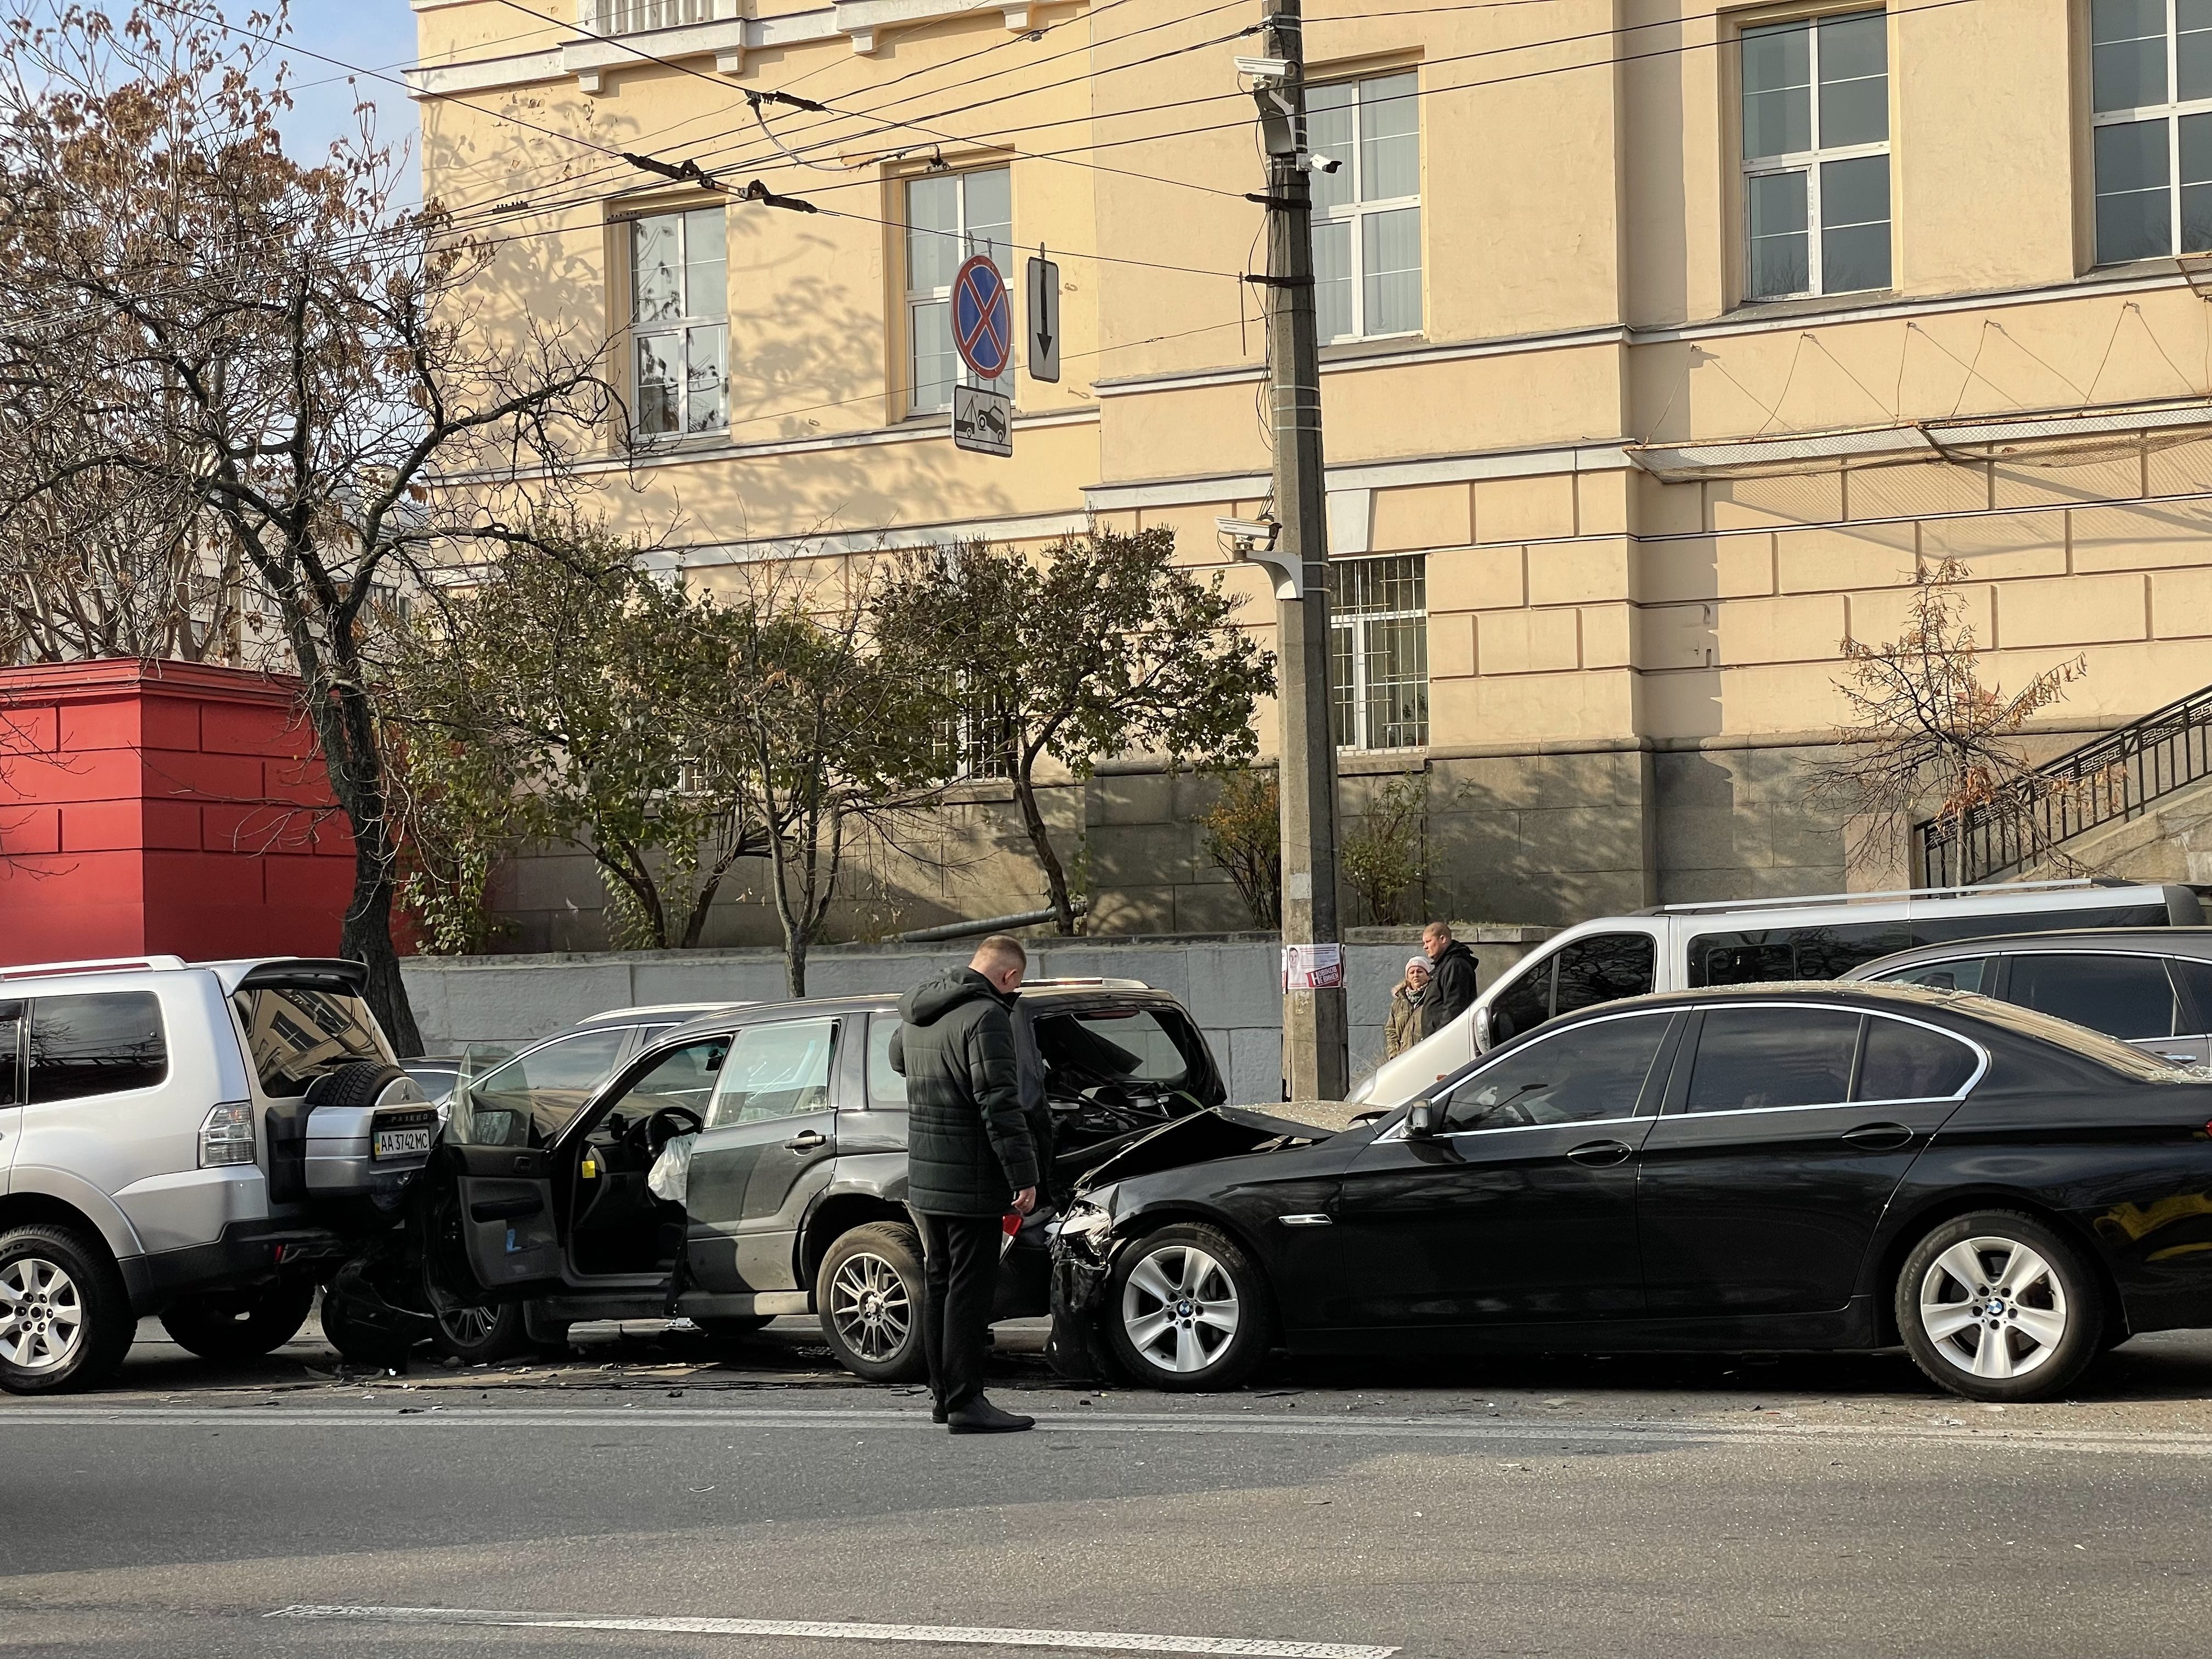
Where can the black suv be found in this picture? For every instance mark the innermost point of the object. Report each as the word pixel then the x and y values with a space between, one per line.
pixel 537 1205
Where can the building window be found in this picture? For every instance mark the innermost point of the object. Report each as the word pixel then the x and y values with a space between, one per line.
pixel 680 322
pixel 1367 214
pixel 950 217
pixel 635 16
pixel 1378 615
pixel 2150 82
pixel 1816 156
pixel 978 737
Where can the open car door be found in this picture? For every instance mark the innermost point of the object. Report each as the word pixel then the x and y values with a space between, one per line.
pixel 488 1187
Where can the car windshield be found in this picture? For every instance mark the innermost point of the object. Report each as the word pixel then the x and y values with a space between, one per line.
pixel 296 1033
pixel 2107 1051
pixel 532 1098
pixel 1095 1046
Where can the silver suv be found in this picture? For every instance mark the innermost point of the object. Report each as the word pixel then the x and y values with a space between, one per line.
pixel 200 1141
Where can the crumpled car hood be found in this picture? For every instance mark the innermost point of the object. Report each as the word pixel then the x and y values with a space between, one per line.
pixel 1217 1132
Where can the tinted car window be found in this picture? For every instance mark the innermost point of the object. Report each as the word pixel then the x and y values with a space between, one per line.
pixel 532 1098
pixel 1587 1072
pixel 11 1026
pixel 2108 1052
pixel 96 1045
pixel 1604 968
pixel 1523 1003
pixel 2196 978
pixel 1910 1062
pixel 295 1034
pixel 1764 955
pixel 2122 996
pixel 1749 1058
pixel 886 1088
pixel 777 1069
pixel 1963 974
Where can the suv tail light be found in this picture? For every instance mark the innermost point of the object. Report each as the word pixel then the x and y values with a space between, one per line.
pixel 226 1135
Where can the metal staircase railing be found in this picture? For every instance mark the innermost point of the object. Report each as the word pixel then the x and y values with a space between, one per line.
pixel 2110 780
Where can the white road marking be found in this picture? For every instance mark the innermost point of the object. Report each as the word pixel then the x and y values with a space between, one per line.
pixel 1556 1430
pixel 1090 1641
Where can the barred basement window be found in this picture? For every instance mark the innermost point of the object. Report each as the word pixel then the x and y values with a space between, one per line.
pixel 1379 649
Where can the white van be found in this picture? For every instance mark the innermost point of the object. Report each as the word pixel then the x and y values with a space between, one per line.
pixel 1674 947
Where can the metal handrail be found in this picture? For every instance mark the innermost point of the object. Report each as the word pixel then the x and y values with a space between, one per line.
pixel 2111 779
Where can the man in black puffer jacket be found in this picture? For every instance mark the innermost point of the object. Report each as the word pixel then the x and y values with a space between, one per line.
pixel 970 1158
pixel 1452 985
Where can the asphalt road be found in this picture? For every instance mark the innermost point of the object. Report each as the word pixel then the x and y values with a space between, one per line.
pixel 653 1494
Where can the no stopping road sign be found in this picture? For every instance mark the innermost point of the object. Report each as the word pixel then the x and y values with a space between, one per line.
pixel 982 318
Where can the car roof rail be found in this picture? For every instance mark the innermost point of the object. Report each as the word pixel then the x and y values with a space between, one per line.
pixel 1989 890
pixel 1109 984
pixel 102 965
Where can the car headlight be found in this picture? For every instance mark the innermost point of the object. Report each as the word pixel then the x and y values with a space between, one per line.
pixel 1087 1226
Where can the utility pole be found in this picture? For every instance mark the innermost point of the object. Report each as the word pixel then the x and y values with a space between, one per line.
pixel 1316 1025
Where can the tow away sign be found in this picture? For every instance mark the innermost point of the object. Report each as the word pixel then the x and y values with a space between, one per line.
pixel 983 421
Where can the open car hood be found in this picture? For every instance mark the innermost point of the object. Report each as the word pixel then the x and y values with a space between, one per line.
pixel 1203 1136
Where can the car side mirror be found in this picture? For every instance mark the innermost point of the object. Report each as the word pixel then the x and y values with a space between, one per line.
pixel 1423 1119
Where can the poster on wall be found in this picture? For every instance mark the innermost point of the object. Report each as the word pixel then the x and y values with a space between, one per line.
pixel 1313 967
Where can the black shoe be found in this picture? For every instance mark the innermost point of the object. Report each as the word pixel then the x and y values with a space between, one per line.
pixel 937 1413
pixel 979 1416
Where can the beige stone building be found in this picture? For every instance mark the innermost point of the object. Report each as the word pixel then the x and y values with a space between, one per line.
pixel 1666 342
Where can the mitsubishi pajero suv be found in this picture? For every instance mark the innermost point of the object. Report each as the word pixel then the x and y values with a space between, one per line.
pixel 202 1141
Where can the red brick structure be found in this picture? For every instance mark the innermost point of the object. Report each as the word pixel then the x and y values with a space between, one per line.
pixel 163 806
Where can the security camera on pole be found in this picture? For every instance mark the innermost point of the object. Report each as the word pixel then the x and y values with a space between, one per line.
pixel 1315 1029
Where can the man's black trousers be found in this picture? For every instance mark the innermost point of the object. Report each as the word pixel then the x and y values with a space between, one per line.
pixel 960 1264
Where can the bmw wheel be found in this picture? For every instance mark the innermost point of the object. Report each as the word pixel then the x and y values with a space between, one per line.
pixel 869 1291
pixel 1185 1310
pixel 1998 1306
pixel 65 1320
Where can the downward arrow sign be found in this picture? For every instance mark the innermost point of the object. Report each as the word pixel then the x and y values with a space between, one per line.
pixel 1044 319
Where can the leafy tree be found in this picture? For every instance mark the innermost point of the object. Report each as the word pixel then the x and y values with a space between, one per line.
pixel 1927 735
pixel 834 711
pixel 1100 647
pixel 193 321
pixel 1385 855
pixel 573 696
pixel 1243 832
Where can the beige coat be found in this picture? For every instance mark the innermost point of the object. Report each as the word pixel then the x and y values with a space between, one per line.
pixel 1404 1028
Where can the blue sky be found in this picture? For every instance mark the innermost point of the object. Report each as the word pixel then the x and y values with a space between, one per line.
pixel 376 34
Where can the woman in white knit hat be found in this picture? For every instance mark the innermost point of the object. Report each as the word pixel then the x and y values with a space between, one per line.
pixel 1404 1030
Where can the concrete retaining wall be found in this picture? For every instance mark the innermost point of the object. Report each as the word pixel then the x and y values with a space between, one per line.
pixel 1230 983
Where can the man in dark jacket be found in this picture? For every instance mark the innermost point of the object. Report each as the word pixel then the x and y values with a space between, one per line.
pixel 970 1158
pixel 1451 978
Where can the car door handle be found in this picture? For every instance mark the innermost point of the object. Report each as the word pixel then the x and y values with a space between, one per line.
pixel 1878 1137
pixel 806 1141
pixel 1600 1154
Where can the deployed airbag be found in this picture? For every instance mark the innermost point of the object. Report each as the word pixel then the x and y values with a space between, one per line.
pixel 671 1176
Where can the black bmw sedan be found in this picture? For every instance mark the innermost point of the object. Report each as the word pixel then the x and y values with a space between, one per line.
pixel 1771 1167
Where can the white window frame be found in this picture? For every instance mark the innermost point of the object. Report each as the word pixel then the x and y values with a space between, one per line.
pixel 1808 162
pixel 643 17
pixel 1357 623
pixel 677 327
pixel 916 298
pixel 1354 212
pixel 2171 112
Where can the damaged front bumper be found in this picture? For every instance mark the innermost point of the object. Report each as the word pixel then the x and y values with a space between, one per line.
pixel 1085 1243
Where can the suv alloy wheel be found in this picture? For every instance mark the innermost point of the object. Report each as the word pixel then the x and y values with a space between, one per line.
pixel 870 1292
pixel 1998 1306
pixel 65 1320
